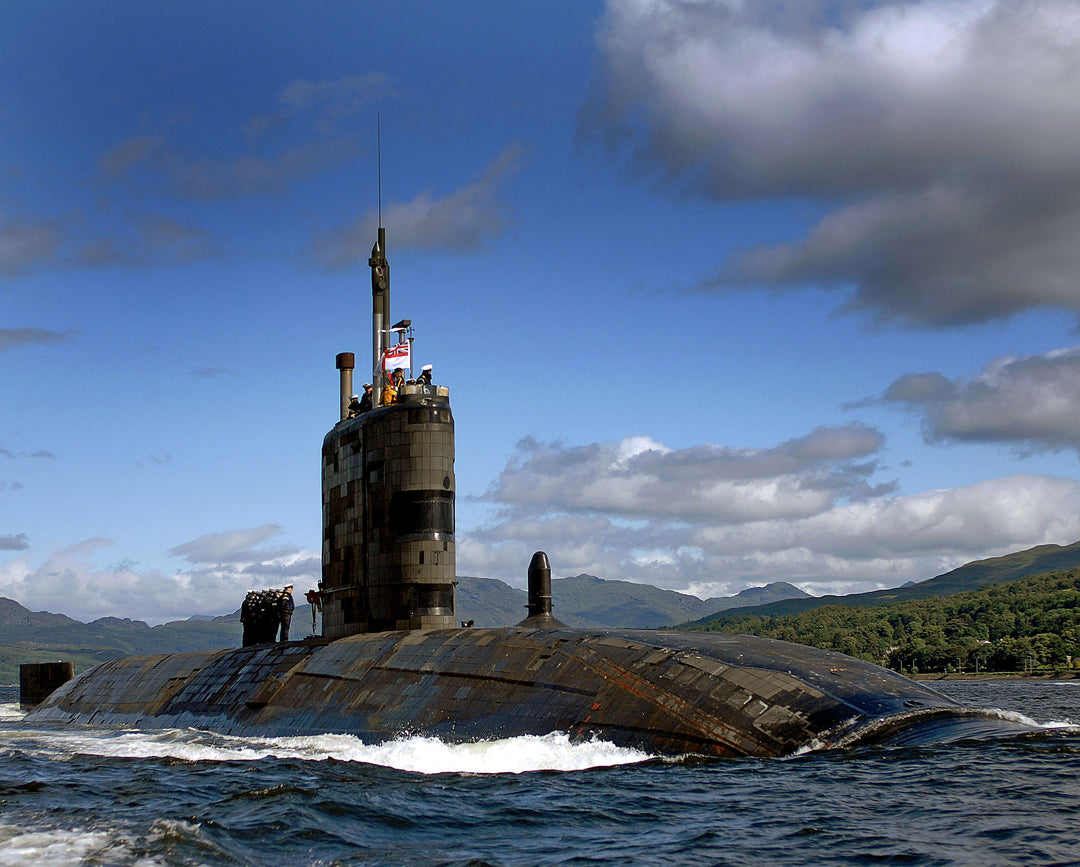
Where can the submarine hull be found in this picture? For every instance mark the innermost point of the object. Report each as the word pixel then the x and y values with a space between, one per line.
pixel 665 693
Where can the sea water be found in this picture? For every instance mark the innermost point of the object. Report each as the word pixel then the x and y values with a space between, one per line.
pixel 82 795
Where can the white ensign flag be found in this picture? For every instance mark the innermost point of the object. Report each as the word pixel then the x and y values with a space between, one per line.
pixel 396 356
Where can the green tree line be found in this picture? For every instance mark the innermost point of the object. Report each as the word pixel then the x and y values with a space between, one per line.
pixel 1030 624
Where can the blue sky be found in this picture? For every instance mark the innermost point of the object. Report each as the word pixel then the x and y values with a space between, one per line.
pixel 724 293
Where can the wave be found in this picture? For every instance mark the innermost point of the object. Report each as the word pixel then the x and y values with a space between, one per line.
pixel 416 754
pixel 1023 719
pixel 424 755
pixel 61 848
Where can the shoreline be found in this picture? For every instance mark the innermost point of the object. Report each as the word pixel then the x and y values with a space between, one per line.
pixel 994 675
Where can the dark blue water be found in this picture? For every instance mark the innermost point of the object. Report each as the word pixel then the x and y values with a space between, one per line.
pixel 96 796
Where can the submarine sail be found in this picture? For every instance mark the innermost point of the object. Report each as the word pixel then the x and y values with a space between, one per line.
pixel 388 496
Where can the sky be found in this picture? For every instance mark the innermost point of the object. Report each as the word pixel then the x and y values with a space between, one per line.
pixel 724 292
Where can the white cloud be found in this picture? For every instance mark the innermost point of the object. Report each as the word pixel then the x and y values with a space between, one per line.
pixel 638 478
pixel 717 520
pixel 939 133
pixel 71 581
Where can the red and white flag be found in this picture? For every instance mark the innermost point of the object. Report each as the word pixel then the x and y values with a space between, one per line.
pixel 396 356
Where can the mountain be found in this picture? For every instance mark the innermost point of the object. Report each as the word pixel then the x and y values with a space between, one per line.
pixel 774 592
pixel 588 601
pixel 490 602
pixel 38 636
pixel 13 614
pixel 971 576
pixel 584 600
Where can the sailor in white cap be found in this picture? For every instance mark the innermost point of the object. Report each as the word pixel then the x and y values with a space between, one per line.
pixel 354 407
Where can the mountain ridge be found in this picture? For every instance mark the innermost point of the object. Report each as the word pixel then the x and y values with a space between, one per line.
pixel 1038 560
pixel 581 601
pixel 28 636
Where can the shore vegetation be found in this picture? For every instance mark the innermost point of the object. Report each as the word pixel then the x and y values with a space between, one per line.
pixel 1031 625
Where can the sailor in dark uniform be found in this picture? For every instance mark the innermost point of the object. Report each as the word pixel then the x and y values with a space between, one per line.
pixel 287 606
pixel 365 401
pixel 247 617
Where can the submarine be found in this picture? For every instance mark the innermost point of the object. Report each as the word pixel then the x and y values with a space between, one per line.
pixel 392 660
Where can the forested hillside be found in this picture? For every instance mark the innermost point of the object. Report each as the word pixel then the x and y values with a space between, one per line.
pixel 1032 623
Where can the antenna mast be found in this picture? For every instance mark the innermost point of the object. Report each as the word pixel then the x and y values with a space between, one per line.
pixel 380 293
pixel 378 151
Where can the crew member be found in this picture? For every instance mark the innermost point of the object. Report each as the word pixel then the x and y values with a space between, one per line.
pixel 365 401
pixel 355 407
pixel 247 617
pixel 389 393
pixel 424 380
pixel 287 606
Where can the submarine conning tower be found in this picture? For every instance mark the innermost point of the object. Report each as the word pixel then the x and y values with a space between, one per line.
pixel 388 560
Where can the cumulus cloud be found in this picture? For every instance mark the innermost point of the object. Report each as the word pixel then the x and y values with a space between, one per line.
pixel 1030 402
pixel 639 478
pixel 938 135
pixel 717 519
pixel 460 222
pixel 225 566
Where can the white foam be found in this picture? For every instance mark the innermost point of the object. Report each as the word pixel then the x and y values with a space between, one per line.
pixel 62 848
pixel 1014 716
pixel 423 755
pixel 1011 716
pixel 11 711
pixel 510 756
